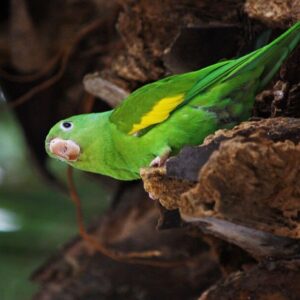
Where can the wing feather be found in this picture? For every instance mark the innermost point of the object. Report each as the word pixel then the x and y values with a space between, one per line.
pixel 154 102
pixel 159 112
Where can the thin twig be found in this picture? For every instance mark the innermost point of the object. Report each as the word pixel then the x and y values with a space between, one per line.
pixel 130 257
pixel 88 103
pixel 32 77
pixel 65 59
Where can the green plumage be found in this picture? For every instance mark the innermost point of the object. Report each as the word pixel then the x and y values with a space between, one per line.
pixel 217 96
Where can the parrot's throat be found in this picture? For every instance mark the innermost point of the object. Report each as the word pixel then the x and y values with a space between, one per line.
pixel 64 149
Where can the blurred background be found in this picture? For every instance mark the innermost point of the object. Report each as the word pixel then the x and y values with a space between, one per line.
pixel 36 214
pixel 35 217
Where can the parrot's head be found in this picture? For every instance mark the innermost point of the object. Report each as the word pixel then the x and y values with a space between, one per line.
pixel 68 139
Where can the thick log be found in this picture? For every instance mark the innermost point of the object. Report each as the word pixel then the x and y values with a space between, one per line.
pixel 248 176
pixel 268 281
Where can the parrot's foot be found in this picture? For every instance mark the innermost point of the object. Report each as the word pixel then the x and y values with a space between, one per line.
pixel 159 161
pixel 156 162
pixel 152 197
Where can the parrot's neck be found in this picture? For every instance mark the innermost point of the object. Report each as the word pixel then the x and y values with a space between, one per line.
pixel 105 149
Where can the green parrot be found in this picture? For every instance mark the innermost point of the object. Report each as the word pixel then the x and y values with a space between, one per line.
pixel 158 119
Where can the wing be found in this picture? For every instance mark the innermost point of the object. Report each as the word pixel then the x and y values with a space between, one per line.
pixel 154 102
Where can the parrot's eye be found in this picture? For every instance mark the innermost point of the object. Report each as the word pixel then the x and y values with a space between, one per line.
pixel 66 125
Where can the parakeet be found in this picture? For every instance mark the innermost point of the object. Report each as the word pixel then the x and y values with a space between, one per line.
pixel 158 119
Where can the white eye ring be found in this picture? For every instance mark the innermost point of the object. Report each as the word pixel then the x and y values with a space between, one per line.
pixel 66 125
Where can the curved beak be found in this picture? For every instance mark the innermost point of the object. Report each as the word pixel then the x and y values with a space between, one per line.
pixel 64 149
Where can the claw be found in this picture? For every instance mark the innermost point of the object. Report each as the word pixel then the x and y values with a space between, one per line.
pixel 151 196
pixel 159 161
pixel 156 162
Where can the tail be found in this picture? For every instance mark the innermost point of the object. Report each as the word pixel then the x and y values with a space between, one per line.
pixel 267 59
pixel 272 55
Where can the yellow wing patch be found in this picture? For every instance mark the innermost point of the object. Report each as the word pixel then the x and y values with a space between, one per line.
pixel 160 112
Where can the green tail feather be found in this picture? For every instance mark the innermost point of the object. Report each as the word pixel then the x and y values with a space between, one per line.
pixel 270 57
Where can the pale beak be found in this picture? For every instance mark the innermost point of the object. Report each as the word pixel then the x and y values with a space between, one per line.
pixel 65 149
